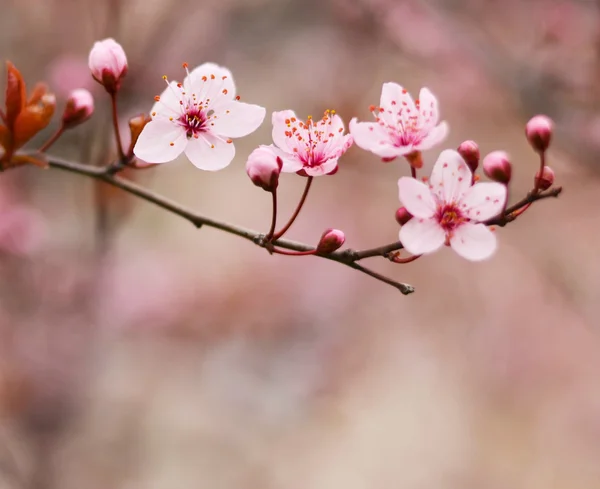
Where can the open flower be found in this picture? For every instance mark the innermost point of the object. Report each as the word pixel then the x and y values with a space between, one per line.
pixel 450 210
pixel 198 117
pixel 402 125
pixel 309 148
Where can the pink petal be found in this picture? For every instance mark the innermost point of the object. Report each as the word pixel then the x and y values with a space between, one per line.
pixel 160 141
pixel 436 135
pixel 291 164
pixel 473 241
pixel 280 127
pixel 237 119
pixel 484 200
pixel 428 108
pixel 416 197
pixel 394 98
pixel 168 105
pixel 451 177
pixel 370 136
pixel 420 236
pixel 208 152
pixel 218 85
pixel 324 169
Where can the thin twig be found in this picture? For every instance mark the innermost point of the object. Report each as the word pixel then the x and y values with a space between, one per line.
pixel 297 211
pixel 526 201
pixel 346 257
pixel 115 118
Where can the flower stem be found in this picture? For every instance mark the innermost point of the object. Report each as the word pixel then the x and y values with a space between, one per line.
pixel 115 117
pixel 396 258
pixel 536 188
pixel 52 139
pixel 296 212
pixel 274 217
pixel 413 171
pixel 293 253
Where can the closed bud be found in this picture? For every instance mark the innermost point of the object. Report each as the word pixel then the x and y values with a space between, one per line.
pixel 263 167
pixel 497 167
pixel 470 153
pixel 403 216
pixel 331 240
pixel 545 180
pixel 539 132
pixel 136 125
pixel 108 64
pixel 79 108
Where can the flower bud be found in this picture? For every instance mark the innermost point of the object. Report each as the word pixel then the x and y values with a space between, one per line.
pixel 539 132
pixel 108 64
pixel 136 125
pixel 403 216
pixel 545 180
pixel 470 153
pixel 79 108
pixel 263 168
pixel 497 167
pixel 331 240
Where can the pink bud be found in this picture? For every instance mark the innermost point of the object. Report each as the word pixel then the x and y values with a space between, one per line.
pixel 546 180
pixel 108 64
pixel 263 168
pixel 539 132
pixel 470 153
pixel 403 216
pixel 331 240
pixel 497 166
pixel 79 108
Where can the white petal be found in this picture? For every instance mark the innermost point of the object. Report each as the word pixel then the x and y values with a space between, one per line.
pixel 416 197
pixel 370 136
pixel 420 236
pixel 168 103
pixel 208 152
pixel 473 241
pixel 210 81
pixel 237 119
pixel 451 177
pixel 428 108
pixel 394 97
pixel 435 136
pixel 291 164
pixel 160 141
pixel 281 127
pixel 484 201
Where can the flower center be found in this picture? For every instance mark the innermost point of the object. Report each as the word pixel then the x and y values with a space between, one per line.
pixel 404 126
pixel 193 120
pixel 450 217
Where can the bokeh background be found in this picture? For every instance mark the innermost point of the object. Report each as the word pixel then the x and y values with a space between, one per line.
pixel 139 352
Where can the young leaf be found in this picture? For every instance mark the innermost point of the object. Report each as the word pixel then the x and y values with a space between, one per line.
pixel 15 94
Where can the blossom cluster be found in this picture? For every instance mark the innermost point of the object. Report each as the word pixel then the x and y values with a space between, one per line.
pixel 201 116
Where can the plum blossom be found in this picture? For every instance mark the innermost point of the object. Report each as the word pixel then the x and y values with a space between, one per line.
pixel 450 210
pixel 309 148
pixel 198 117
pixel 402 126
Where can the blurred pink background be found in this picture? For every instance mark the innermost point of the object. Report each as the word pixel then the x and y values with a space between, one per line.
pixel 139 352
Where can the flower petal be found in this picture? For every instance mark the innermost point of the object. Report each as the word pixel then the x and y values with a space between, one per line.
pixel 160 141
pixel 474 242
pixel 291 164
pixel 210 81
pixel 428 108
pixel 435 136
pixel 237 119
pixel 168 103
pixel 208 152
pixel 451 177
pixel 281 127
pixel 395 98
pixel 370 136
pixel 323 169
pixel 416 197
pixel 420 236
pixel 484 201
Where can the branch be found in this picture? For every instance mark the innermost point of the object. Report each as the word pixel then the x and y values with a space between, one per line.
pixel 526 201
pixel 106 174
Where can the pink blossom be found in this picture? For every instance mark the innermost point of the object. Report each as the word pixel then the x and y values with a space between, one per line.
pixel 108 63
pixel 198 117
pixel 263 168
pixel 311 148
pixel 402 125
pixel 79 107
pixel 450 210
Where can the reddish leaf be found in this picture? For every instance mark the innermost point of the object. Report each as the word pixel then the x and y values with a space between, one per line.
pixel 39 90
pixel 33 119
pixel 6 139
pixel 15 94
pixel 20 160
